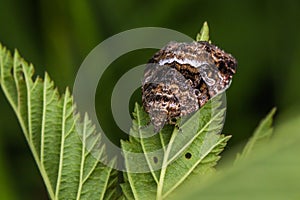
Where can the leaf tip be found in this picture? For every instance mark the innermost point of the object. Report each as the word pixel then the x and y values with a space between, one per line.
pixel 273 111
pixel 203 35
pixel 67 92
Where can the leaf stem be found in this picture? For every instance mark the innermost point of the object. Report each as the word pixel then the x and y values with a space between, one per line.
pixel 159 195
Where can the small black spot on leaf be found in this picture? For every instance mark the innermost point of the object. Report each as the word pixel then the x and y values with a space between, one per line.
pixel 155 159
pixel 188 155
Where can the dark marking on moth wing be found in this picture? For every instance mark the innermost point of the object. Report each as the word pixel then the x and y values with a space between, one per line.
pixel 181 77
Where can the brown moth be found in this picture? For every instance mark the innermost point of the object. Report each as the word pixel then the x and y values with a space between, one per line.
pixel 181 77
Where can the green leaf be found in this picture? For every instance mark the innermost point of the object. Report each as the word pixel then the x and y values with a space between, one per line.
pixel 272 174
pixel 158 164
pixel 54 133
pixel 203 35
pixel 262 133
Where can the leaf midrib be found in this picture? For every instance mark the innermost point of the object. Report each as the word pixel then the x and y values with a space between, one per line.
pixel 62 146
pixel 164 166
pixel 82 161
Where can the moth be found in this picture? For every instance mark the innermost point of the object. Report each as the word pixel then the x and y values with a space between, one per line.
pixel 181 77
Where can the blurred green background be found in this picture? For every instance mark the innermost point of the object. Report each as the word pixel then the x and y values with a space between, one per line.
pixel 56 36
